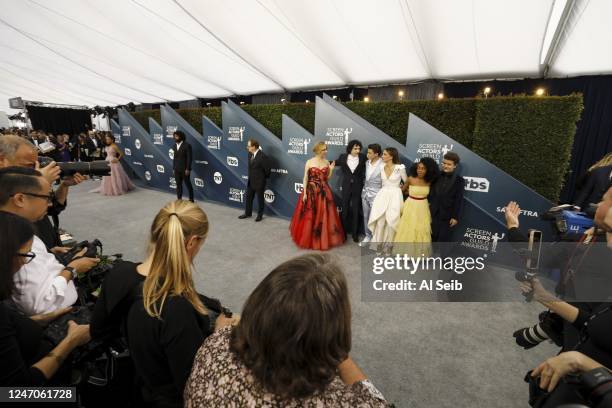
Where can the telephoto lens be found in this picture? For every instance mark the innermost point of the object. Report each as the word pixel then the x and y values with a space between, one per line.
pixel 94 168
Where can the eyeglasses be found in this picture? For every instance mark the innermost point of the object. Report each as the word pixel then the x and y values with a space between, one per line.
pixel 27 257
pixel 49 197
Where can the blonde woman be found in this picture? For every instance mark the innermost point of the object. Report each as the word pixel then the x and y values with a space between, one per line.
pixel 315 223
pixel 167 320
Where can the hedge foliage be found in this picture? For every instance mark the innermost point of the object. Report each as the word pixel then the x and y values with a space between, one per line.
pixel 528 137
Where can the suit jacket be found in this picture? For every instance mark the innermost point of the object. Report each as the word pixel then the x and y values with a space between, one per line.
pixel 447 205
pixel 598 182
pixel 259 170
pixel 182 157
pixel 352 181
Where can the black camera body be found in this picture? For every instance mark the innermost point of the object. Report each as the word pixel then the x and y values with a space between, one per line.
pixel 94 248
pixel 596 387
pixel 93 168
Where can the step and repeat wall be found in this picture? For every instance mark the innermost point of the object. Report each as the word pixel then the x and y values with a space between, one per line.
pixel 220 163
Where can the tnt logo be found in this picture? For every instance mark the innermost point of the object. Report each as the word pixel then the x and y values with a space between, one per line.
pixel 478 184
pixel 171 154
pixel 298 187
pixel 269 196
pixel 217 177
pixel 128 152
pixel 232 161
pixel 137 143
pixel 148 175
pixel 160 168
pixel 198 182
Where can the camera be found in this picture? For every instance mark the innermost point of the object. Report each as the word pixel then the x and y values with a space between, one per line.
pixel 94 168
pixel 596 387
pixel 93 249
pixel 568 222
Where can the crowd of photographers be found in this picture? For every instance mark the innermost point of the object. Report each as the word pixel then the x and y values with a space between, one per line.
pixel 290 347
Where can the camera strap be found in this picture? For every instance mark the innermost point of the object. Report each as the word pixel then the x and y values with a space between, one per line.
pixel 570 272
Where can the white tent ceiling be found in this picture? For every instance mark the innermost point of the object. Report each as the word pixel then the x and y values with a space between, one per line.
pixel 111 52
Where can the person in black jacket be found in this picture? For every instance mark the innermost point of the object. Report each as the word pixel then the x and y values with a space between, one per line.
pixel 352 165
pixel 259 171
pixel 27 360
pixel 446 199
pixel 182 165
pixel 598 181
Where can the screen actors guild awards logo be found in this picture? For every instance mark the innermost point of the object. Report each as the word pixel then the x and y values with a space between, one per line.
pixel 434 150
pixel 298 145
pixel 217 177
pixel 126 130
pixel 235 133
pixel 158 139
pixel 117 138
pixel 236 194
pixel 481 239
pixel 170 131
pixel 214 142
pixel 338 136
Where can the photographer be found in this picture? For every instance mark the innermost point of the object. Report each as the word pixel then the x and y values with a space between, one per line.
pixel 16 151
pixel 44 284
pixel 27 360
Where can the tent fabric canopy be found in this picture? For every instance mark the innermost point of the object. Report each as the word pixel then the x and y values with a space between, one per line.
pixel 94 52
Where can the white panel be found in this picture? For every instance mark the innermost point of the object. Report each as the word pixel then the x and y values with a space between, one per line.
pixel 587 48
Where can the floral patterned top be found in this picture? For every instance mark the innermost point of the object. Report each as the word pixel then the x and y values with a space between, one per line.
pixel 219 379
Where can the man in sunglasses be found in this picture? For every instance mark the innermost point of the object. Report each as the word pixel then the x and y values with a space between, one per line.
pixel 17 151
pixel 43 284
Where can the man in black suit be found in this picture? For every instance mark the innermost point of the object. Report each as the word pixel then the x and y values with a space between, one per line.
pixel 352 165
pixel 259 171
pixel 446 199
pixel 182 165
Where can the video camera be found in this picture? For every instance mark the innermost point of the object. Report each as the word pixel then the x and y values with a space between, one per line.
pixel 93 168
pixel 568 221
pixel 532 259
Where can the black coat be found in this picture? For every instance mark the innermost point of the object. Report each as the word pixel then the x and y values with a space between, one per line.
pixel 597 183
pixel 352 182
pixel 182 157
pixel 447 205
pixel 259 170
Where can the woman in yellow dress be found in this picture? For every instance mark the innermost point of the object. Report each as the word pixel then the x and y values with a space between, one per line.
pixel 413 234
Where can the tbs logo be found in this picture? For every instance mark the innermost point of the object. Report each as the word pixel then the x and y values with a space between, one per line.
pixel 160 168
pixel 269 196
pixel 198 182
pixel 128 152
pixel 148 175
pixel 232 161
pixel 171 154
pixel 299 187
pixel 478 184
pixel 217 177
pixel 137 143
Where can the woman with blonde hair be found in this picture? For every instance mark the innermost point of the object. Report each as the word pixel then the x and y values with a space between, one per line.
pixel 315 223
pixel 167 320
pixel 594 183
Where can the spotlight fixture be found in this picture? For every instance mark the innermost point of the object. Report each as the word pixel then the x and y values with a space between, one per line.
pixel 440 95
pixel 307 100
pixel 487 90
pixel 366 99
pixel 401 92
pixel 242 102
pixel 335 96
pixel 540 91
pixel 283 100
pixel 208 103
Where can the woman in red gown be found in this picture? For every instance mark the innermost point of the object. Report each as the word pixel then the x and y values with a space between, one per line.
pixel 315 223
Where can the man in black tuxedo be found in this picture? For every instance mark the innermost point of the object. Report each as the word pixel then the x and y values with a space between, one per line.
pixel 352 165
pixel 259 171
pixel 446 199
pixel 182 165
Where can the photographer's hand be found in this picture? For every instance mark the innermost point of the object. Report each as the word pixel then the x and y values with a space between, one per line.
pixel 74 180
pixel 555 368
pixel 541 295
pixel 512 214
pixel 84 264
pixel 51 171
pixel 59 250
pixel 46 318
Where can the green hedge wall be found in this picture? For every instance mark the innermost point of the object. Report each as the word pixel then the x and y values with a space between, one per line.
pixel 528 137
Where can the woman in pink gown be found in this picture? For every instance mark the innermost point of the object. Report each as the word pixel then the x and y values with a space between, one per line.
pixel 118 182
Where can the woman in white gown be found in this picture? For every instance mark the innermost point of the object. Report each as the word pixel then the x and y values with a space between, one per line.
pixel 387 205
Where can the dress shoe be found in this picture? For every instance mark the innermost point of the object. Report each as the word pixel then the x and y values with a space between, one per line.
pixel 243 216
pixel 355 238
pixel 259 218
